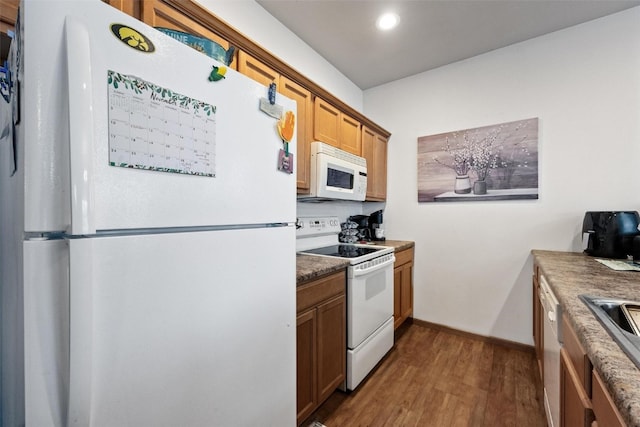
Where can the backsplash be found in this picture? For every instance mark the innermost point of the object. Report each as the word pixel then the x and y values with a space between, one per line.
pixel 340 208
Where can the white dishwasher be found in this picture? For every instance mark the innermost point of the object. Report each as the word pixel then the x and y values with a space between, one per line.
pixel 552 316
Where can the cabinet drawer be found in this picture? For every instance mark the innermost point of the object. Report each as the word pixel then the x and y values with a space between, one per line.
pixel 312 293
pixel 404 256
pixel 603 406
pixel 577 355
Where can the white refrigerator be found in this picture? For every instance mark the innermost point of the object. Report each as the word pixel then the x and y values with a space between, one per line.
pixel 147 231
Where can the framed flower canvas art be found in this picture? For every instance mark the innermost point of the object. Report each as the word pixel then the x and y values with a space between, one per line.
pixel 497 162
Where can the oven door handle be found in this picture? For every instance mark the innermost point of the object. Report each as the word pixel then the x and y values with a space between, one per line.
pixel 356 272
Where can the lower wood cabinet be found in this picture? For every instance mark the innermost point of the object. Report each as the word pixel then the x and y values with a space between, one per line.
pixel 584 398
pixel 575 407
pixel 604 408
pixel 403 287
pixel 321 341
pixel 538 318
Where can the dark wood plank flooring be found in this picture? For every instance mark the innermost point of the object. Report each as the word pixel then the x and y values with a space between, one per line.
pixel 437 378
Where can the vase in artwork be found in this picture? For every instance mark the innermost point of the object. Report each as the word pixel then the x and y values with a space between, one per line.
pixel 462 185
pixel 480 187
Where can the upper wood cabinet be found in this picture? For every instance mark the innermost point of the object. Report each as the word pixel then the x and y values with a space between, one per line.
pixel 350 139
pixel 130 7
pixel 374 149
pixel 336 128
pixel 256 70
pixel 326 122
pixel 304 127
pixel 8 14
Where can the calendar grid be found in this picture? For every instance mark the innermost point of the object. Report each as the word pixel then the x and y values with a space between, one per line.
pixel 155 128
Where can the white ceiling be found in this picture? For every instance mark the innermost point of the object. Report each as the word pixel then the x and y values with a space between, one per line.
pixel 431 33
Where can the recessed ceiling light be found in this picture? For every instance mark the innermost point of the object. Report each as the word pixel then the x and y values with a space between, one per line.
pixel 387 21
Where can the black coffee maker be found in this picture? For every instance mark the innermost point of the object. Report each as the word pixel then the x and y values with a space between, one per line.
pixel 375 226
pixel 611 234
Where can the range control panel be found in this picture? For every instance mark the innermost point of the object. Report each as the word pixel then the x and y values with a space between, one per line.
pixel 317 226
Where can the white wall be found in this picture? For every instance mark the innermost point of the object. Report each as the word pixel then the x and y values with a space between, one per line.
pixel 255 22
pixel 473 264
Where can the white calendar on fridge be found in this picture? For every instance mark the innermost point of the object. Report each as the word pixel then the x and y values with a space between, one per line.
pixel 154 128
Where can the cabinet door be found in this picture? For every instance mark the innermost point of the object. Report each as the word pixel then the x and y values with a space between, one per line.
pixel 406 301
pixel 403 287
pixel 304 127
pixel 538 330
pixel 603 405
pixel 256 70
pixel 8 15
pixel 575 407
pixel 130 7
pixel 332 347
pixel 374 149
pixel 380 167
pixel 326 122
pixel 368 152
pixel 159 14
pixel 576 353
pixel 306 364
pixel 349 137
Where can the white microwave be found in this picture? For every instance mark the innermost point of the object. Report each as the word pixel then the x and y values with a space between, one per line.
pixel 336 174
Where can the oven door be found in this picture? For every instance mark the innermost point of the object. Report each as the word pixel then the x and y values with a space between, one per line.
pixel 369 298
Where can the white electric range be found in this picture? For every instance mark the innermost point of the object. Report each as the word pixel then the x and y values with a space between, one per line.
pixel 369 292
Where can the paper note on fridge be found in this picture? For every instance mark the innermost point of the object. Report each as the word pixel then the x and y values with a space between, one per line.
pixel 155 128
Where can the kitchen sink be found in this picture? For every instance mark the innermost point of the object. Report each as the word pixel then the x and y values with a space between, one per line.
pixel 611 314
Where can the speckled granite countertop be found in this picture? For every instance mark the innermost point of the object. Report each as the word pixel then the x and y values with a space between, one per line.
pixel 571 274
pixel 398 245
pixel 310 267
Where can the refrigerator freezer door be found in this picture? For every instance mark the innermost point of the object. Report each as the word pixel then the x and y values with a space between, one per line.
pixel 175 329
pixel 65 130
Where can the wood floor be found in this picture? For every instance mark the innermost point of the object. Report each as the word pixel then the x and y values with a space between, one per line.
pixel 436 378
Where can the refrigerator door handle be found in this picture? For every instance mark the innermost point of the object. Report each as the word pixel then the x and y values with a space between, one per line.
pixel 80 331
pixel 81 140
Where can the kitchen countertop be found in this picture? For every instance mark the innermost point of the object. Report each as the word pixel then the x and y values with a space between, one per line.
pixel 570 274
pixel 310 267
pixel 398 245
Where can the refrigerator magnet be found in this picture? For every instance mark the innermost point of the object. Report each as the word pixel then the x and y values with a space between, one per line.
pixel 269 106
pixel 285 162
pixel 286 125
pixel 217 73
